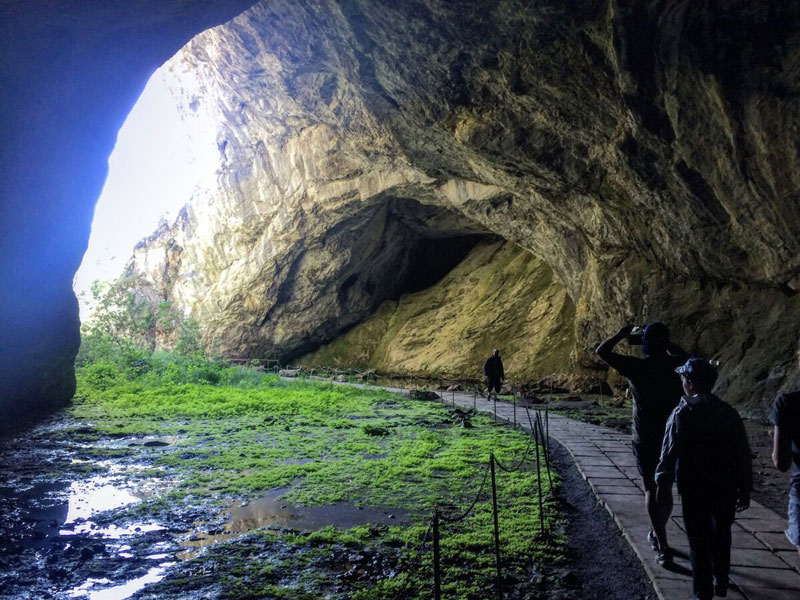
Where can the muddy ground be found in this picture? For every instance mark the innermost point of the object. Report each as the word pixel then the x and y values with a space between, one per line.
pixel 69 528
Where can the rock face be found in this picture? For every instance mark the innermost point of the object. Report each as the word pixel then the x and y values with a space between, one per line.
pixel 645 152
pixel 500 295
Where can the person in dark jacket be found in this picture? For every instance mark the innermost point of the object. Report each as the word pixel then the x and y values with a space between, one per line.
pixel 706 449
pixel 493 369
pixel 656 391
pixel 786 453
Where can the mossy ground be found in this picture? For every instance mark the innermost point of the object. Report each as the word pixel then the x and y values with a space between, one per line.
pixel 328 444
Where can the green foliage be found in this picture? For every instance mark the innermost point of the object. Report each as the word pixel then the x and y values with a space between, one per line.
pixel 127 326
pixel 237 432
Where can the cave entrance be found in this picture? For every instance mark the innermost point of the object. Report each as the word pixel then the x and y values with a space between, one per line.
pixel 164 152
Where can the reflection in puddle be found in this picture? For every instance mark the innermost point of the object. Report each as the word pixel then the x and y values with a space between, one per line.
pixel 273 512
pixel 93 496
pixel 112 532
pixel 119 592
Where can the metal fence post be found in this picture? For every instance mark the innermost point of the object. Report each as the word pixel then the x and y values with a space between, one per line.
pixel 514 394
pixel 539 481
pixel 545 448
pixel 496 530
pixel 437 572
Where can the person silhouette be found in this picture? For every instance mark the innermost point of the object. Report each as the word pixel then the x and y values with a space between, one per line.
pixel 493 369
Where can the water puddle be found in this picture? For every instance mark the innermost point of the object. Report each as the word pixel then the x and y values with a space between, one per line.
pixel 271 511
pixel 119 592
pixel 112 532
pixel 95 495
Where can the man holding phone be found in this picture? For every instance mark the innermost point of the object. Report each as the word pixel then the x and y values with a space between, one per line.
pixel 656 390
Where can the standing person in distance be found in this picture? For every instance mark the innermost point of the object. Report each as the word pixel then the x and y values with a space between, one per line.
pixel 656 391
pixel 706 448
pixel 786 453
pixel 493 369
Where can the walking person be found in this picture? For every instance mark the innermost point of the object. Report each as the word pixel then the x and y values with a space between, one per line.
pixel 786 453
pixel 656 390
pixel 706 449
pixel 493 369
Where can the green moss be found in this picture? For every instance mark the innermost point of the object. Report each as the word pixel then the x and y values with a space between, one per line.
pixel 329 444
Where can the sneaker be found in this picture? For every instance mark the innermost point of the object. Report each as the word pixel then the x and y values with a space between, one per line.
pixel 721 589
pixel 664 557
pixel 651 537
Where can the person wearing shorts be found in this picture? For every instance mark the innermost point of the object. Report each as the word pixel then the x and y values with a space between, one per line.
pixel 786 453
pixel 656 391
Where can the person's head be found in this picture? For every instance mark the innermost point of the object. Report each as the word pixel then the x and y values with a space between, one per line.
pixel 496 352
pixel 655 338
pixel 698 376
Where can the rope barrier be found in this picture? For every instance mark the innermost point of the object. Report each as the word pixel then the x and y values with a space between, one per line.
pixel 467 512
pixel 539 437
pixel 522 460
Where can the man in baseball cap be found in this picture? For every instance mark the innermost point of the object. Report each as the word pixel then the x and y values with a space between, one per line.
pixel 706 449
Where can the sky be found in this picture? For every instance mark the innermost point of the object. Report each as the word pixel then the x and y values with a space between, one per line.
pixel 156 164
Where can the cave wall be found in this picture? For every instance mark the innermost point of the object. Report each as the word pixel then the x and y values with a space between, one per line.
pixel 499 295
pixel 645 151
pixel 69 74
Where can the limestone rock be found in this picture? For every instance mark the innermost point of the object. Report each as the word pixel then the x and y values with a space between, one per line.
pixel 646 155
pixel 646 152
pixel 499 295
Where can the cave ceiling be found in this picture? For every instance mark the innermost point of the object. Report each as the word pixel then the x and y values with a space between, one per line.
pixel 646 152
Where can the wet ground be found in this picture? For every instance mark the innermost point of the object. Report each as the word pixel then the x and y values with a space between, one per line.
pixel 85 515
pixel 69 523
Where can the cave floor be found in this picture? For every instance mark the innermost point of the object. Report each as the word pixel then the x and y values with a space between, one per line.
pixel 72 527
pixel 90 509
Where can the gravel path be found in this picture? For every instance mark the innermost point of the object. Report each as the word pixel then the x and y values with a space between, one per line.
pixel 600 559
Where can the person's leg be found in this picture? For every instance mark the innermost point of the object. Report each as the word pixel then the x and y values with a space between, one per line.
pixel 658 513
pixel 697 520
pixel 723 514
pixel 646 460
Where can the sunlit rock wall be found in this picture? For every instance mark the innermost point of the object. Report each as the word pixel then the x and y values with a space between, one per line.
pixel 646 152
pixel 499 296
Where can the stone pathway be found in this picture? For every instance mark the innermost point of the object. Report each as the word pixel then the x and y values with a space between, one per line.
pixel 764 565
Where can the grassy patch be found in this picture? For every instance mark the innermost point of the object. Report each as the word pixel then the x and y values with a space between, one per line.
pixel 328 444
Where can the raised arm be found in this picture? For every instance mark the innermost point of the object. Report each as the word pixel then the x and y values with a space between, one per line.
pixel 606 349
pixel 676 350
